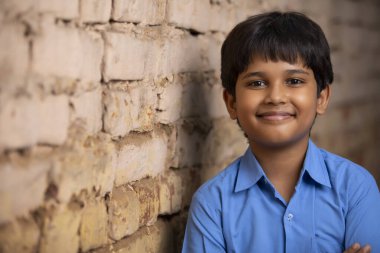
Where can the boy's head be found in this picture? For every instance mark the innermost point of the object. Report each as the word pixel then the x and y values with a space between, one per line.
pixel 274 36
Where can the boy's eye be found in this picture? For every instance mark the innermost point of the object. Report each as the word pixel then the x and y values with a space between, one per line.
pixel 256 84
pixel 294 82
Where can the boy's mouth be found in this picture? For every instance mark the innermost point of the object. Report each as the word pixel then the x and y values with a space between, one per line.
pixel 275 115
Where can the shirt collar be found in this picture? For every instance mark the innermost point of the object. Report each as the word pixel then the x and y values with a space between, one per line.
pixel 250 171
pixel 315 165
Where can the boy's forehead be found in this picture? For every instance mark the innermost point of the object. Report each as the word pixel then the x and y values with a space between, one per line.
pixel 258 60
pixel 277 66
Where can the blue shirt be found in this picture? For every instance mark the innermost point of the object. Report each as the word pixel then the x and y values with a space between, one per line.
pixel 335 204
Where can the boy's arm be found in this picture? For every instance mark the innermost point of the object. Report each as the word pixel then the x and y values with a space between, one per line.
pixel 203 229
pixel 363 217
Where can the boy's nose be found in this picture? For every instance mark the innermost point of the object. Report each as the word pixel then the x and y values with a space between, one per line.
pixel 276 94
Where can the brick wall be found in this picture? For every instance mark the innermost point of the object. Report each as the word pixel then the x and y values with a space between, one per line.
pixel 111 114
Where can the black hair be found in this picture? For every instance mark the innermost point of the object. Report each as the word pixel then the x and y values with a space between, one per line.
pixel 288 36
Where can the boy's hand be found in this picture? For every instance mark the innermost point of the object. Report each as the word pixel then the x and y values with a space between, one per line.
pixel 355 248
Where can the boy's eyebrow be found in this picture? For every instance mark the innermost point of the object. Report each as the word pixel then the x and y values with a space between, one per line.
pixel 253 74
pixel 297 71
pixel 262 74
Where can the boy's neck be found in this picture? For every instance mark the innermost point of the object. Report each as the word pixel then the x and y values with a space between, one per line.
pixel 282 165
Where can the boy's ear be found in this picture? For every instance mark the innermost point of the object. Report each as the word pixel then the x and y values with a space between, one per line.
pixel 323 100
pixel 229 100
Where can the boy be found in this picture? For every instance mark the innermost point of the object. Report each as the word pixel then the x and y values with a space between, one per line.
pixel 284 194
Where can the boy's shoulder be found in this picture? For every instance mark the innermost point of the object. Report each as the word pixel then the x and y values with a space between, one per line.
pixel 342 171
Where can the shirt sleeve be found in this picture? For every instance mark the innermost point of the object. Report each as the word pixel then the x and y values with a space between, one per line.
pixel 363 216
pixel 203 230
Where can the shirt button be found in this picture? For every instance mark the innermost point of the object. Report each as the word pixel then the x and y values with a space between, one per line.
pixel 290 216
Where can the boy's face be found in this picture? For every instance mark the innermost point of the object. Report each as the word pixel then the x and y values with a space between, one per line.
pixel 276 102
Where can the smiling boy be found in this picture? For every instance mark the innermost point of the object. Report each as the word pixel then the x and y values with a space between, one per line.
pixel 284 194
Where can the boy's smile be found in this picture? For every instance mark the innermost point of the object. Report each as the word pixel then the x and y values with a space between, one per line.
pixel 276 102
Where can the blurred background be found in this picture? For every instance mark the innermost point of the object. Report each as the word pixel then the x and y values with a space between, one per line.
pixel 111 113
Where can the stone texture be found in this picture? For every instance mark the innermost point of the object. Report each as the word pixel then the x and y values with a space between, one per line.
pixel 60 232
pixel 47 121
pixel 147 192
pixel 66 52
pixel 170 192
pixel 88 109
pixel 14 113
pixel 15 59
pixel 58 8
pixel 67 9
pixel 139 11
pixel 202 97
pixel 142 104
pixel 53 120
pixel 182 54
pixel 130 108
pixel 157 238
pixel 89 165
pixel 19 236
pixel 189 14
pixel 23 182
pixel 126 57
pixel 93 228
pixel 95 11
pixel 169 102
pixel 190 140
pixel 117 114
pixel 123 212
pixel 140 156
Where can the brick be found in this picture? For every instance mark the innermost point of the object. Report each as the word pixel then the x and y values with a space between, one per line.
pixel 53 120
pixel 224 143
pixel 191 136
pixel 93 228
pixel 88 109
pixel 95 11
pixel 157 238
pixel 139 11
pixel 147 192
pixel 117 115
pixel 60 232
pixel 140 156
pixel 231 14
pixel 66 52
pixel 212 51
pixel 189 14
pixel 65 10
pixel 142 104
pixel 191 180
pixel 13 8
pixel 19 236
pixel 202 97
pixel 23 182
pixel 14 133
pixel 48 120
pixel 126 57
pixel 123 212
pixel 89 165
pixel 129 108
pixel 182 54
pixel 13 61
pixel 169 102
pixel 170 192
